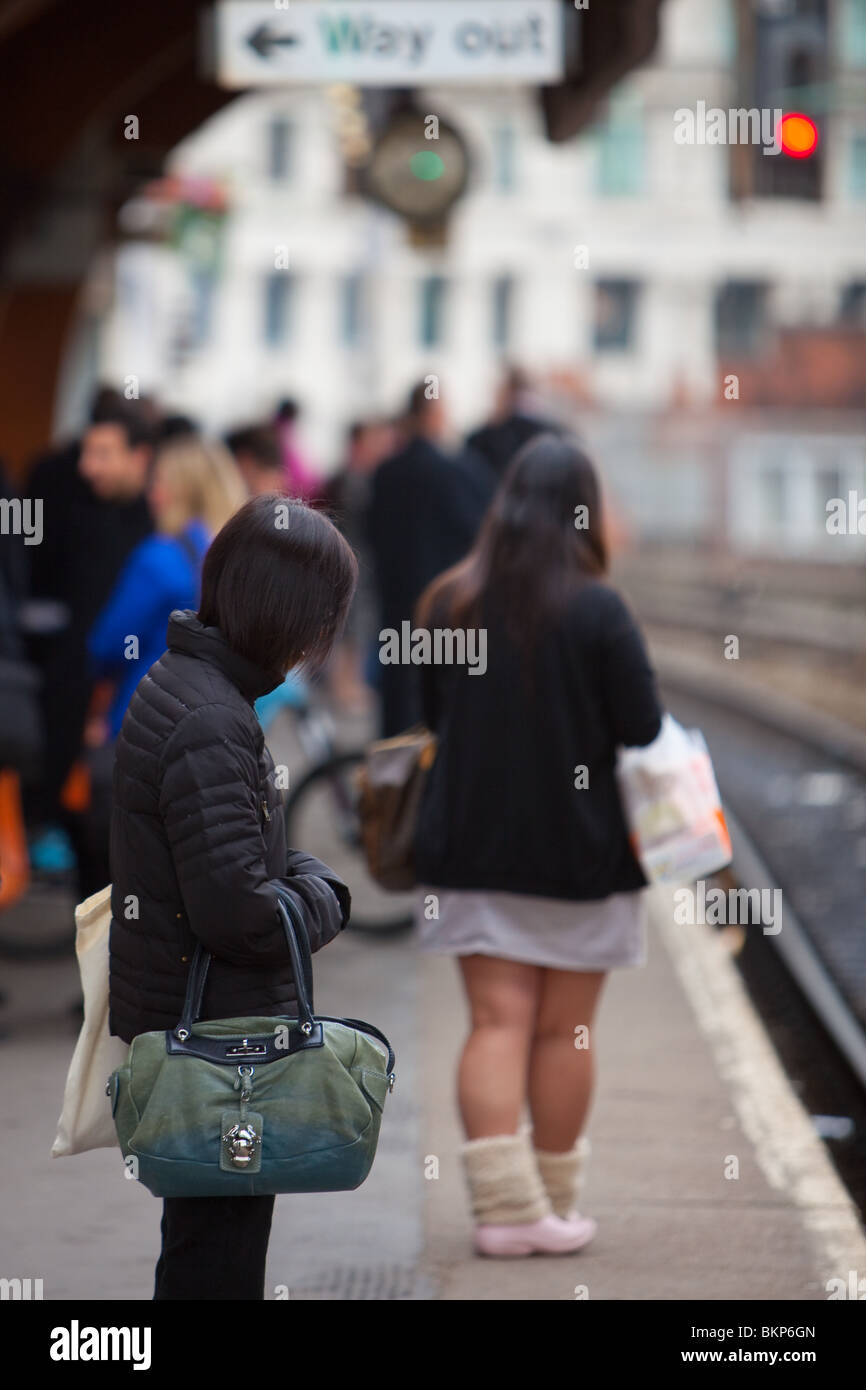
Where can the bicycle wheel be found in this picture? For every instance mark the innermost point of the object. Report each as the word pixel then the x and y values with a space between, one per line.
pixel 322 819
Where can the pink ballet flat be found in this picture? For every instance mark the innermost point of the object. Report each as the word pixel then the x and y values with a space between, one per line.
pixel 550 1236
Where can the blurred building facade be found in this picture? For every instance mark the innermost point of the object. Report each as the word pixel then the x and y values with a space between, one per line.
pixel 699 310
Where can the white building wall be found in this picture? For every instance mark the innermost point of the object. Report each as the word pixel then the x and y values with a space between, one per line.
pixel 680 237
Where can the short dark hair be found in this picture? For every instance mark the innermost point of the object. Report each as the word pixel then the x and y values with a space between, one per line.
pixel 277 581
pixel 517 379
pixel 104 396
pixel 175 427
pixel 124 413
pixel 257 441
pixel 419 402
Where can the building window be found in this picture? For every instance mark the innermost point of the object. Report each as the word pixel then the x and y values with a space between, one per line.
pixel 431 330
pixel 279 295
pixel 280 148
pixel 857 165
pixel 852 305
pixel 352 310
pixel 852 33
pixel 741 318
pixel 621 160
pixel 203 285
pixel 504 158
pixel 774 496
pixel 829 483
pixel 726 33
pixel 615 314
pixel 502 306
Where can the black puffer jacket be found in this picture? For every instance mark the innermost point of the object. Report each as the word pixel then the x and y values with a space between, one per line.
pixel 198 844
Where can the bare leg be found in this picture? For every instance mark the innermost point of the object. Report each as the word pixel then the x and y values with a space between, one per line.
pixel 491 1083
pixel 561 1073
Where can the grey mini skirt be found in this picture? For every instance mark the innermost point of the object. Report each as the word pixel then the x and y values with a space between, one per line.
pixel 555 932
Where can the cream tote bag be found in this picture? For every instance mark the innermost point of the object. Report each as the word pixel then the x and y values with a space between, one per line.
pixel 86 1121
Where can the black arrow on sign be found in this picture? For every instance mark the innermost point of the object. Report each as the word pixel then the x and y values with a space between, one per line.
pixel 263 42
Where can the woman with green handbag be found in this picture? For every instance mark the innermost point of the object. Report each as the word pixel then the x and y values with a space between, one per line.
pixel 198 854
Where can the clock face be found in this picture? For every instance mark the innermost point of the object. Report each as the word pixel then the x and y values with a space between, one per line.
pixel 413 175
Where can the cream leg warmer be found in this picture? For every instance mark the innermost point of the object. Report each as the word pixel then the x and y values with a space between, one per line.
pixel 505 1187
pixel 562 1175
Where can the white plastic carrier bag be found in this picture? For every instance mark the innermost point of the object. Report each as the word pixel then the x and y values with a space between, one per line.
pixel 86 1121
pixel 672 806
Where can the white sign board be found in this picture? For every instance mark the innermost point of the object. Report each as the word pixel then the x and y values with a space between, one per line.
pixel 388 43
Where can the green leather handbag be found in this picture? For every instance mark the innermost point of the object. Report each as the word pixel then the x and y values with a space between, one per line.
pixel 247 1106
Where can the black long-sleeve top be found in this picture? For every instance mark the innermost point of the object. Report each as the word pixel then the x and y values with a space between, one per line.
pixel 505 807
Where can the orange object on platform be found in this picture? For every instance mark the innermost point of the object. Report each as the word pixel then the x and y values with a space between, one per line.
pixel 75 794
pixel 14 859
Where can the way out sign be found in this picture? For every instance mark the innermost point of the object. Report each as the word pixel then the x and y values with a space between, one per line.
pixel 388 43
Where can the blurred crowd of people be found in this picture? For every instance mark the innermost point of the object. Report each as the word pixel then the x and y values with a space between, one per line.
pixel 128 511
pixel 537 890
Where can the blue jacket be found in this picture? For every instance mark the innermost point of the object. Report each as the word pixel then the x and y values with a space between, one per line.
pixel 158 577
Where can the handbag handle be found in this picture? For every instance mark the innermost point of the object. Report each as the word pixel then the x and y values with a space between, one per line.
pixel 302 969
pixel 300 955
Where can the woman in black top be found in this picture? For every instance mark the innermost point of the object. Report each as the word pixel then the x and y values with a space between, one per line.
pixel 521 843
pixel 198 843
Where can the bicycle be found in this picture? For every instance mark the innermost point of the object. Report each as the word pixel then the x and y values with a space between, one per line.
pixel 321 817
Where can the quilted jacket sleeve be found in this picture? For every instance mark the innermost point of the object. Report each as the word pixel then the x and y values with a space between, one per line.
pixel 210 807
pixel 323 899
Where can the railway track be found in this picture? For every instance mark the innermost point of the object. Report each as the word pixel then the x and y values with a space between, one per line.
pixel 821 614
pixel 795 791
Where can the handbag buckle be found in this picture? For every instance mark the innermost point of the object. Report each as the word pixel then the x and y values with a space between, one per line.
pixel 392 1078
pixel 247 1049
pixel 241 1141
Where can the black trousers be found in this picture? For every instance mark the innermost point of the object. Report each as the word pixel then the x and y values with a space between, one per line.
pixel 214 1248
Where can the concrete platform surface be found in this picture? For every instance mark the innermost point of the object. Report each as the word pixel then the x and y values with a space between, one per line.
pixel 687 1081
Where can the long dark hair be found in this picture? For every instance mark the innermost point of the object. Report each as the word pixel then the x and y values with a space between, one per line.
pixel 542 536
pixel 277 581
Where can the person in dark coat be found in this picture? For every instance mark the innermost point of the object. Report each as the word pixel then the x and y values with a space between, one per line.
pixel 521 844
pixel 198 847
pixel 517 418
pixel 425 509
pixel 95 514
pixel 347 499
pixel 21 735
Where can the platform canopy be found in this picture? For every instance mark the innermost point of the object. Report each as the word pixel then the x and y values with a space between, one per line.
pixel 72 71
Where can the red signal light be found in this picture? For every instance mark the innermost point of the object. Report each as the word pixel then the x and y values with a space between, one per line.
pixel 798 135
